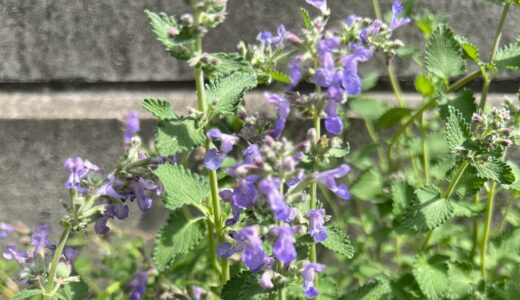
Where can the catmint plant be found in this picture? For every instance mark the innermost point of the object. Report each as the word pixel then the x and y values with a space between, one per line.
pixel 262 206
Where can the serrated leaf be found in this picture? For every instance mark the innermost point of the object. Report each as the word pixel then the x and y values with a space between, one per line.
pixel 377 290
pixel 392 117
pixel 177 237
pixel 495 170
pixel 306 18
pixel 225 94
pixel 181 187
pixel 468 210
pixel 443 54
pixel 458 130
pixel 508 58
pixel 468 184
pixel 243 286
pixel 431 275
pixel 464 103
pixel 338 242
pixel 368 185
pixel 430 210
pixel 462 280
pixel 177 135
pixel 516 172
pixel 424 85
pixel 278 76
pixel 26 294
pixel 181 45
pixel 505 247
pixel 470 50
pixel 159 108
pixel 228 63
pixel 402 196
pixel 368 108
pixel 73 291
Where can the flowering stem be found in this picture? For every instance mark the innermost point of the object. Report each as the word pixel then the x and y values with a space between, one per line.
pixel 451 188
pixel 49 289
pixel 487 228
pixel 213 181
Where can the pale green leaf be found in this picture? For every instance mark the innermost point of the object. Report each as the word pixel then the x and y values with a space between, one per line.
pixel 431 275
pixel 228 63
pixel 463 280
pixel 181 187
pixel 378 290
pixel 368 185
pixel 26 294
pixel 159 108
pixel 177 237
pixel 73 291
pixel 505 247
pixel 181 45
pixel 392 117
pixel 424 85
pixel 368 108
pixel 508 58
pixel 458 130
pixel 402 196
pixel 306 18
pixel 470 50
pixel 225 94
pixel 443 54
pixel 464 103
pixel 338 242
pixel 177 135
pixel 278 76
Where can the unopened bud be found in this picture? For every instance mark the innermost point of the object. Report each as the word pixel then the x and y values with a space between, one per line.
pixel 172 31
pixel 477 118
pixel 186 20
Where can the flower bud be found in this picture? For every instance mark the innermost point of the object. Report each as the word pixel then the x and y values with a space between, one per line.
pixel 186 20
pixel 172 31
pixel 63 270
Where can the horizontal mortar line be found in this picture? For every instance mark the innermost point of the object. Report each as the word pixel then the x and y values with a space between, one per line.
pixel 112 104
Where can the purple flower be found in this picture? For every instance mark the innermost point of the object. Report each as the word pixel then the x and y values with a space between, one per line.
pixel 214 158
pixel 138 285
pixel 327 76
pixel 283 248
pixel 270 188
pixel 70 256
pixel 39 238
pixel 267 38
pixel 283 109
pixel 139 187
pixel 328 45
pixel 351 80
pixel 328 178
pixel 11 253
pixel 308 275
pixel 226 249
pixel 397 21
pixel 319 4
pixel 266 278
pixel 197 292
pixel 294 69
pixel 372 29
pixel 254 255
pixel 132 126
pixel 333 122
pixel 351 19
pixel 78 170
pixel 5 230
pixel 111 211
pixel 109 188
pixel 316 220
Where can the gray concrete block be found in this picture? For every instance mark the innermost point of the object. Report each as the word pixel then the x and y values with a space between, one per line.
pixel 90 41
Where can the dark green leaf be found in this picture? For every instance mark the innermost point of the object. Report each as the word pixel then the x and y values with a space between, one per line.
pixel 392 117
pixel 508 58
pixel 243 286
pixel 159 108
pixel 73 291
pixel 495 170
pixel 378 290
pixel 368 185
pixel 458 131
pixel 225 94
pixel 228 63
pixel 443 54
pixel 338 242
pixel 402 195
pixel 464 103
pixel 26 294
pixel 177 135
pixel 181 45
pixel 431 275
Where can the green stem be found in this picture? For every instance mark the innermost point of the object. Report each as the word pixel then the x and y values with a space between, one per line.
pixel 476 200
pixel 375 139
pixel 54 264
pixel 447 194
pixel 504 217
pixel 426 152
pixel 487 229
pixel 377 9
pixel 314 192
pixel 213 179
pixel 279 264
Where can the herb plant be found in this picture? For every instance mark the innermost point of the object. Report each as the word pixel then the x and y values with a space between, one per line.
pixel 263 209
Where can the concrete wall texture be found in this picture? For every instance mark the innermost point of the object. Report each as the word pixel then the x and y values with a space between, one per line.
pixel 69 68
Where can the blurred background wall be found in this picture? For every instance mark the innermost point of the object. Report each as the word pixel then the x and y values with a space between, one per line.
pixel 69 69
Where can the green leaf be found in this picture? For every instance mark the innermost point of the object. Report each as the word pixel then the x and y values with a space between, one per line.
pixel 458 130
pixel 328 288
pixel 505 247
pixel 278 76
pixel 25 294
pixel 229 62
pixel 495 170
pixel 424 85
pixel 73 291
pixel 464 103
pixel 243 286
pixel 181 46
pixel 338 242
pixel 468 210
pixel 368 108
pixel 225 94
pixel 392 117
pixel 516 172
pixel 402 195
pixel 408 52
pixel 178 135
pixel 430 211
pixel 181 187
pixel 431 275
pixel 306 18
pixel 159 108
pixel 177 237
pixel 470 50
pixel 468 184
pixel 378 290
pixel 462 279
pixel 508 58
pixel 368 185
pixel 443 54
pixel 369 81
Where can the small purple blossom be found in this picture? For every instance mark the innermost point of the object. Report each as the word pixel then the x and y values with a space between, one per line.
pixel 267 37
pixel 328 178
pixel 333 122
pixel 372 29
pixel 351 81
pixel 10 253
pixel 294 69
pixel 5 230
pixel 266 278
pixel 78 170
pixel 138 286
pixel 327 76
pixel 283 248
pixel 109 188
pixel 316 221
pixel 254 255
pixel 283 110
pixel 328 45
pixel 132 126
pixel 214 158
pixel 197 292
pixel 39 238
pixel 308 275
pixel 397 20
pixel 319 4
pixel 111 211
pixel 270 188
pixel 139 187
